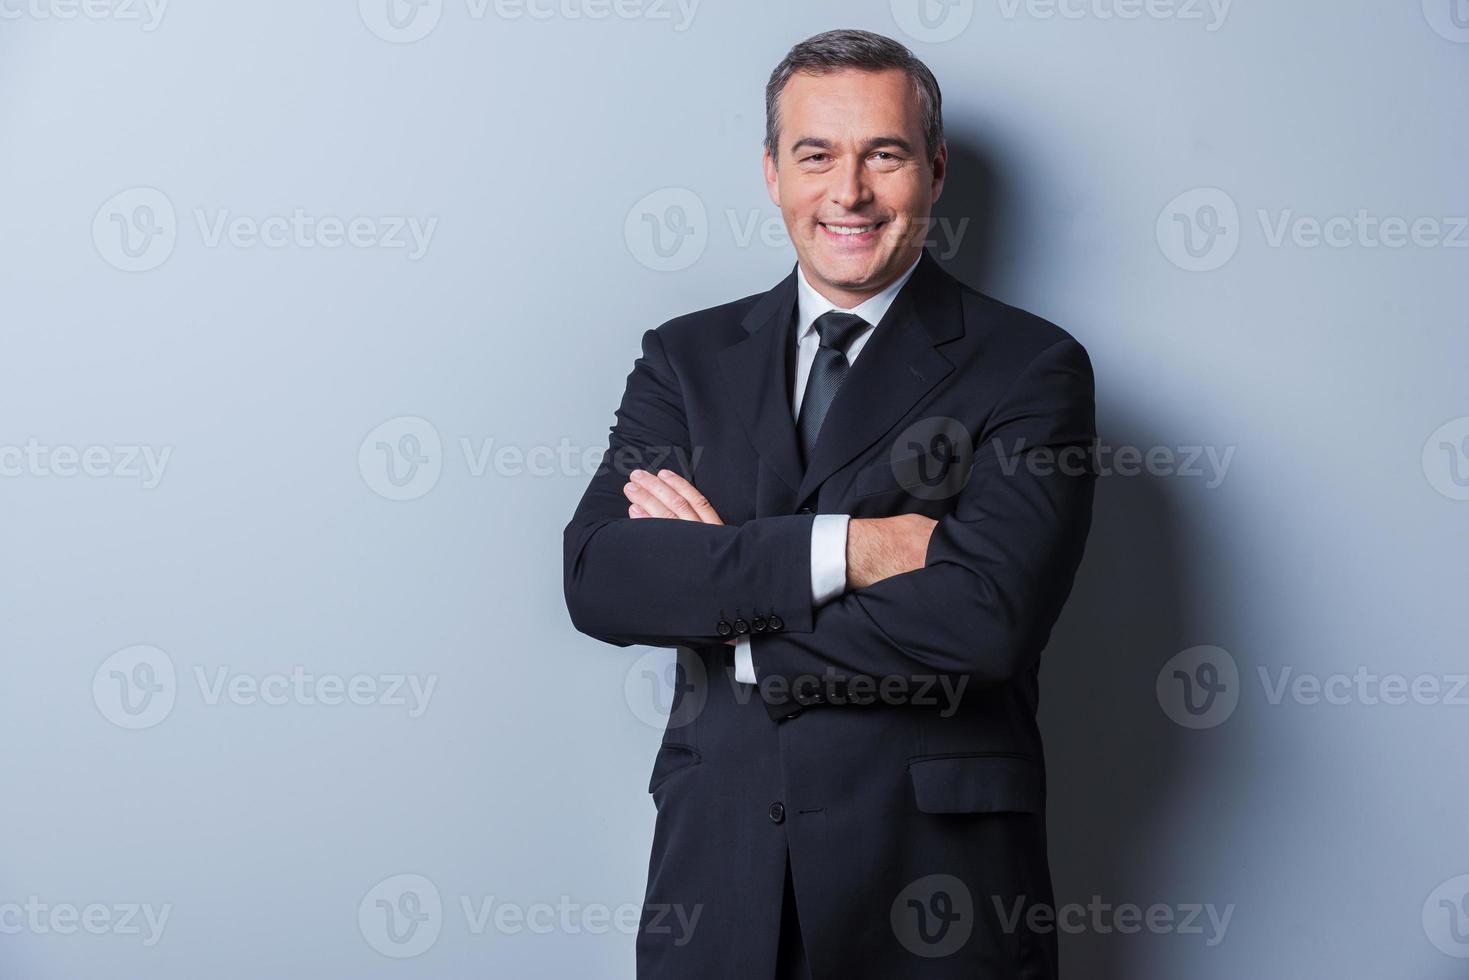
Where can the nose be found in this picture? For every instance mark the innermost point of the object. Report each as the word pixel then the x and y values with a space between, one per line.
pixel 849 184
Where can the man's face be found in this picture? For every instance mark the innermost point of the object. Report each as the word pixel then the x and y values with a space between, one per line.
pixel 851 157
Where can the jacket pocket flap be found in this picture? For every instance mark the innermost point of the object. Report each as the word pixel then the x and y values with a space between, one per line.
pixel 875 478
pixel 672 756
pixel 977 784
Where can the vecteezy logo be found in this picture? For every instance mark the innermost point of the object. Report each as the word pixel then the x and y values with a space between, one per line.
pixel 1199 688
pixel 932 21
pixel 1448 18
pixel 401 916
pixel 1446 917
pixel 665 690
pixel 401 21
pixel 1199 230
pixel 933 916
pixel 135 687
pixel 135 230
pixel 402 458
pixel 1446 459
pixel 932 458
pixel 667 230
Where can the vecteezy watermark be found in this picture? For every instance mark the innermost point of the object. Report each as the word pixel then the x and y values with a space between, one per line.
pixel 930 459
pixel 1446 917
pixel 666 689
pixel 1363 687
pixel 1446 459
pixel 1209 464
pixel 40 918
pixel 933 917
pixel 137 229
pixel 137 687
pixel 1201 686
pixel 936 21
pixel 124 462
pixel 402 916
pixel 148 14
pixel 668 230
pixel 406 21
pixel 1200 230
pixel 1209 13
pixel 932 21
pixel 831 686
pixel 935 458
pixel 403 458
pixel 1127 918
pixel 1448 18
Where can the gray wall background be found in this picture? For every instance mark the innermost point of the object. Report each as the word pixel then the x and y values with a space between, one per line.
pixel 208 709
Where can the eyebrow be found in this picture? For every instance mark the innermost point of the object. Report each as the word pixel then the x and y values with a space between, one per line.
pixel 867 147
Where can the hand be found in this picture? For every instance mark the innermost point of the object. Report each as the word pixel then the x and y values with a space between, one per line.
pixel 667 495
pixel 879 548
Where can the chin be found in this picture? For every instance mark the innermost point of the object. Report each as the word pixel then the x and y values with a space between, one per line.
pixel 849 271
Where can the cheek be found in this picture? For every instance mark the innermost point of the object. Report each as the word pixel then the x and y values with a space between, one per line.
pixel 907 196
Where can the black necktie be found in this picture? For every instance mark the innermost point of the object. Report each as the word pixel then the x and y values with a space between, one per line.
pixel 828 370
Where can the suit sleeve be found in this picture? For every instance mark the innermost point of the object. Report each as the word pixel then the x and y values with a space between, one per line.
pixel 997 571
pixel 665 582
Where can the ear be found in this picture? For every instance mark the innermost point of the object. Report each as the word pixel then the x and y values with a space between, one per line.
pixel 940 170
pixel 772 178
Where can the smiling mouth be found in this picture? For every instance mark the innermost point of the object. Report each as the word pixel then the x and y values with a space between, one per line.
pixel 848 230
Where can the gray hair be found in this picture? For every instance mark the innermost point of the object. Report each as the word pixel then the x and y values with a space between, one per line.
pixel 865 51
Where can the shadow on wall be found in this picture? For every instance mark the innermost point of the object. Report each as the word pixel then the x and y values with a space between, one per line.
pixel 1112 755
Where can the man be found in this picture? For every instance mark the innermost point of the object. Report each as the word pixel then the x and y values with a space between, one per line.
pixel 892 495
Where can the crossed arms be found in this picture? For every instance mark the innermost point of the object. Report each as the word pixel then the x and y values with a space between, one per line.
pixel 648 561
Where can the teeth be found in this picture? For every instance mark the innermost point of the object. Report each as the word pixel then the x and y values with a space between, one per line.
pixel 850 231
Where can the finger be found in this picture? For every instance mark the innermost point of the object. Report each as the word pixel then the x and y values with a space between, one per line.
pixel 633 510
pixel 639 494
pixel 669 498
pixel 691 493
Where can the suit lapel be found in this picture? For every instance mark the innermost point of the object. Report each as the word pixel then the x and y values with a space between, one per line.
pixel 755 371
pixel 897 367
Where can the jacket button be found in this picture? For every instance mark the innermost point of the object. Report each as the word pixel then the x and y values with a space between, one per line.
pixel 758 624
pixel 777 812
pixel 775 622
pixel 724 628
pixel 805 510
pixel 741 627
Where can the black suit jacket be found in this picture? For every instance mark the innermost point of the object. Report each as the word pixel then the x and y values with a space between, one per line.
pixel 891 748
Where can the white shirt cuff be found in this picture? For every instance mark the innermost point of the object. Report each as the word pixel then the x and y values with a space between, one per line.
pixel 828 579
pixel 828 557
pixel 744 666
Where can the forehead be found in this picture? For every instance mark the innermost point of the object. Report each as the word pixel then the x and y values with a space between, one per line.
pixel 851 103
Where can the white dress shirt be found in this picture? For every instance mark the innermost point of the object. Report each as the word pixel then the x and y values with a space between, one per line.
pixel 828 531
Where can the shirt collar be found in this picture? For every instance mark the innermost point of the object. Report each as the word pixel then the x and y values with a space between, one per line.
pixel 810 304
